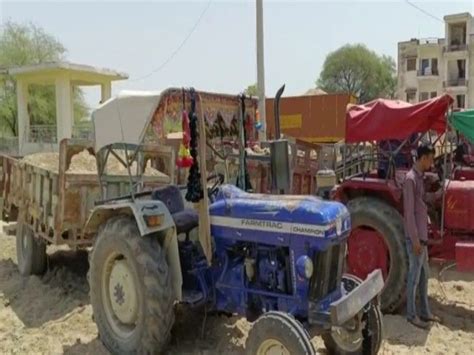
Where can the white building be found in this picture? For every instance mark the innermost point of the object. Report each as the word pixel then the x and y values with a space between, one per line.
pixel 432 66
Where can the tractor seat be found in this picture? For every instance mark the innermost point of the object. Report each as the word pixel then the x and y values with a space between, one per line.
pixel 185 219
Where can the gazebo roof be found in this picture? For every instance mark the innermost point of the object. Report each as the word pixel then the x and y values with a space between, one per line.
pixel 79 74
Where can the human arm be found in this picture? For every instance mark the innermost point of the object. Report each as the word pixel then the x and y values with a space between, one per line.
pixel 409 214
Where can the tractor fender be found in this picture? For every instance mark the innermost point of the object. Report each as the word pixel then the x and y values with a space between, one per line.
pixel 139 210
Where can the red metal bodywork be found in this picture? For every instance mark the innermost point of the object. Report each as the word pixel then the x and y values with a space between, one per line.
pixel 458 219
pixel 387 190
pixel 464 256
pixel 464 173
pixel 459 206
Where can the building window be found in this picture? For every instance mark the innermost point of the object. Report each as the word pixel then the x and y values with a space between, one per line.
pixel 411 96
pixel 429 66
pixel 411 64
pixel 425 67
pixel 460 101
pixel 434 66
pixel 461 68
pixel 433 94
pixel 424 96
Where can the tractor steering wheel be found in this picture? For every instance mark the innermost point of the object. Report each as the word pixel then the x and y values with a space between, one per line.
pixel 219 180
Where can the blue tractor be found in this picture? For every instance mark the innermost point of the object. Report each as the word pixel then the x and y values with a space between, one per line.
pixel 276 259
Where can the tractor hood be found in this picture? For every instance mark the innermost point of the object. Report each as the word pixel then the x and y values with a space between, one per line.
pixel 303 215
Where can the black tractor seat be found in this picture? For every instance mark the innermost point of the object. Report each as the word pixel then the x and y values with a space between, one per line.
pixel 185 219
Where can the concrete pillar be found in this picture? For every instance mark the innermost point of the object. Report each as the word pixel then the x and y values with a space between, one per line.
pixel 72 105
pixel 64 109
pixel 105 91
pixel 23 117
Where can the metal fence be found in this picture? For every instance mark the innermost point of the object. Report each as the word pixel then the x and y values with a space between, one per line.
pixel 42 134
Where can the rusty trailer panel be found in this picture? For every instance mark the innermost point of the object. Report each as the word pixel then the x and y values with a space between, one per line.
pixel 311 118
pixel 57 204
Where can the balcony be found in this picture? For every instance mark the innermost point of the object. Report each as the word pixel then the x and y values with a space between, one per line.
pixel 427 72
pixel 455 47
pixel 455 83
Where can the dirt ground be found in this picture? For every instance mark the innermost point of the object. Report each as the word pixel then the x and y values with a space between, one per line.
pixel 51 315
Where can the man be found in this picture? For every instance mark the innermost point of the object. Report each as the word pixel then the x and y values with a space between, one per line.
pixel 416 230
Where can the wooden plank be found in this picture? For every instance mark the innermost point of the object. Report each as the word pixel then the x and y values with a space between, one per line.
pixel 203 205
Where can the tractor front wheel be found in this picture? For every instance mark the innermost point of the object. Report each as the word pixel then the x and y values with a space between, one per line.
pixel 130 289
pixel 377 241
pixel 278 333
pixel 359 336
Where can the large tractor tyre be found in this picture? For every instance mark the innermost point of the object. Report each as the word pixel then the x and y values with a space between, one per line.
pixel 364 339
pixel 377 241
pixel 130 289
pixel 278 333
pixel 30 251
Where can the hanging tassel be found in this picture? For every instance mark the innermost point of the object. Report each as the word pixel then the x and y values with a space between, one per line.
pixel 185 160
pixel 195 191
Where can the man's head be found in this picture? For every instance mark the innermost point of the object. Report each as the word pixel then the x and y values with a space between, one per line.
pixel 424 157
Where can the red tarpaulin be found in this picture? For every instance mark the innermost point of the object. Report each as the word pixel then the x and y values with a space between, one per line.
pixel 389 119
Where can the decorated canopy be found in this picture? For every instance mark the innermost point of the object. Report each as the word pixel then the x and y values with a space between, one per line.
pixel 463 122
pixel 389 119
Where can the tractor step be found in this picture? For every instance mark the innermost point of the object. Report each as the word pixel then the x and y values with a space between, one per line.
pixel 465 256
pixel 192 297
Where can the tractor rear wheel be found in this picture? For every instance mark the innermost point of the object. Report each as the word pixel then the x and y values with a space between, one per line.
pixel 278 333
pixel 30 251
pixel 377 241
pixel 365 338
pixel 130 289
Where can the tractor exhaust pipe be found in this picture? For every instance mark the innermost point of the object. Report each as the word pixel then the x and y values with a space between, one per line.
pixel 276 109
pixel 279 159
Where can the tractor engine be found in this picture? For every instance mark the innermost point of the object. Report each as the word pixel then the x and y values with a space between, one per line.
pixel 267 269
pixel 262 270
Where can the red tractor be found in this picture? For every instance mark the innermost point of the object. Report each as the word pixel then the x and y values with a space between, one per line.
pixel 375 199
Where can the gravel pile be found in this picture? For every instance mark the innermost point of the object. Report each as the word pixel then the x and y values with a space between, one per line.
pixel 84 163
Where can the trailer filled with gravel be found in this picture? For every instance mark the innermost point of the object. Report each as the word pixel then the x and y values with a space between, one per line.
pixel 50 195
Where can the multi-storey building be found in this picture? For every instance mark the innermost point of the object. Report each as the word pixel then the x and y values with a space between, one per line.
pixel 432 66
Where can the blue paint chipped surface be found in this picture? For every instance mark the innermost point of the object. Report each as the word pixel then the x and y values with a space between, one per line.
pixel 233 202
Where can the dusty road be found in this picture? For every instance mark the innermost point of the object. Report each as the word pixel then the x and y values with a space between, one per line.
pixel 52 315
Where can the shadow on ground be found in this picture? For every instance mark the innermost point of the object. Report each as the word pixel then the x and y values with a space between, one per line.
pixel 194 333
pixel 39 299
pixel 94 347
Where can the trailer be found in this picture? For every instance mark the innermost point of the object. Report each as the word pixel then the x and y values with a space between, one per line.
pixel 52 201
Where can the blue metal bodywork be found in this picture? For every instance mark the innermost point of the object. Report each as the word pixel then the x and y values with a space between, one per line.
pixel 260 245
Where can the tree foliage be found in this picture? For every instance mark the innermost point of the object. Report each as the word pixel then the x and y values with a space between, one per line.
pixel 251 90
pixel 28 45
pixel 359 71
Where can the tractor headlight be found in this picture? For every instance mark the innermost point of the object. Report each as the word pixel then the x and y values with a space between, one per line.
pixel 304 266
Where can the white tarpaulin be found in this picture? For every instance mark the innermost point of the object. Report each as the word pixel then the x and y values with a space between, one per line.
pixel 124 118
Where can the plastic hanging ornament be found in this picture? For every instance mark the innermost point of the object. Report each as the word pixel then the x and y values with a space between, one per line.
pixel 184 160
pixel 258 124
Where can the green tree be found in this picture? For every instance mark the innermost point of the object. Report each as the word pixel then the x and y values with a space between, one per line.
pixel 28 45
pixel 251 90
pixel 359 71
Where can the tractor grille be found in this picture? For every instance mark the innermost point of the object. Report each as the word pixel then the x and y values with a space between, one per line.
pixel 328 268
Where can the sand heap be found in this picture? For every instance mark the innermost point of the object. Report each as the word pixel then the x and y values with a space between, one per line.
pixel 85 163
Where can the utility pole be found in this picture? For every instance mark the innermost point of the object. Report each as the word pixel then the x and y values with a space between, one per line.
pixel 261 72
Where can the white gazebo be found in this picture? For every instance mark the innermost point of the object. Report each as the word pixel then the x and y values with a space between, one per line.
pixel 64 76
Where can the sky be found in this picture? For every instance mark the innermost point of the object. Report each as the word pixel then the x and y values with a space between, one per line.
pixel 220 54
